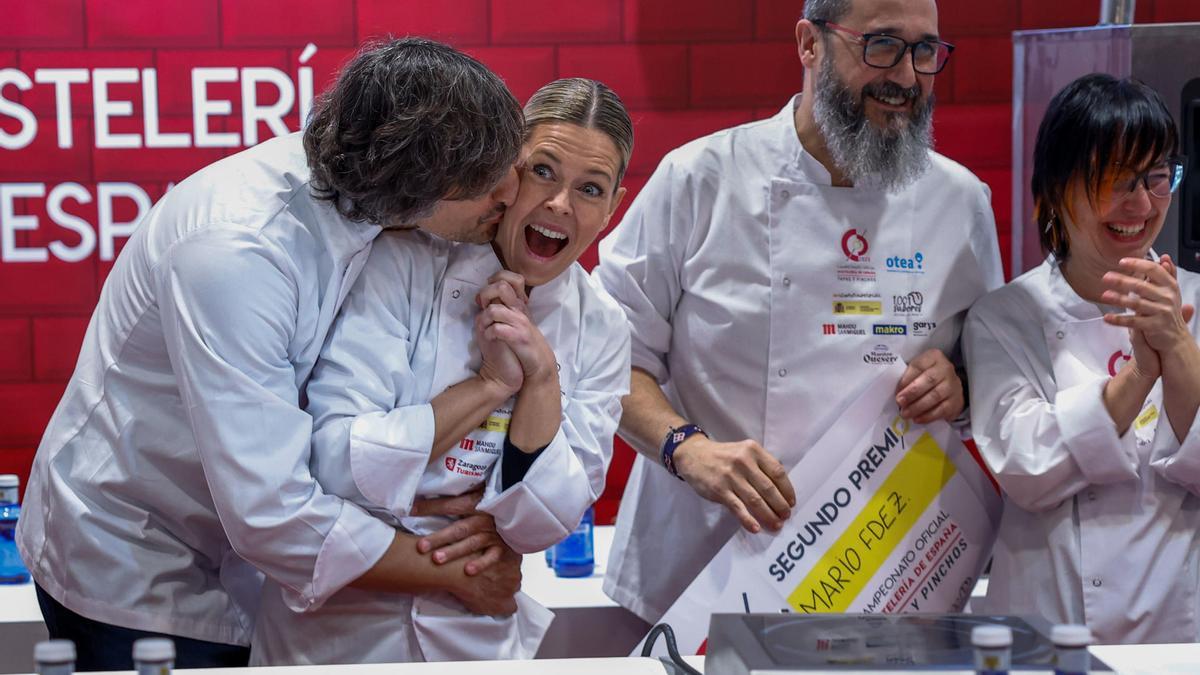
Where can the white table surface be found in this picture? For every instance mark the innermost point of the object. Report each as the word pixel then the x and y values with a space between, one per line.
pixel 587 622
pixel 1125 659
pixel 623 666
pixel 586 615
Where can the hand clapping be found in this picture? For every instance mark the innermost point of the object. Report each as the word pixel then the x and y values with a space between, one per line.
pixel 1157 318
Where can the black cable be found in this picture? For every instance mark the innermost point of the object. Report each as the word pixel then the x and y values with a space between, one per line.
pixel 672 648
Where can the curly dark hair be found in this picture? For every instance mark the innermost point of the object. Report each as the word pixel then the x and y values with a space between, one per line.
pixel 410 122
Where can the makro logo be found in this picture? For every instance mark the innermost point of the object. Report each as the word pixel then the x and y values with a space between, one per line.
pixel 855 245
pixel 913 265
pixel 909 303
pixel 1117 361
pixel 889 329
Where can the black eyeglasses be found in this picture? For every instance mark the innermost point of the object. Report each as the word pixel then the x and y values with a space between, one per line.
pixel 881 50
pixel 1159 180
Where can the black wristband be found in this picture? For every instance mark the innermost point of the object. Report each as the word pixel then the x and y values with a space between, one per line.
pixel 674 437
pixel 515 463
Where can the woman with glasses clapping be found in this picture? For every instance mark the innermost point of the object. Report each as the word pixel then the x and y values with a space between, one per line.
pixel 1085 380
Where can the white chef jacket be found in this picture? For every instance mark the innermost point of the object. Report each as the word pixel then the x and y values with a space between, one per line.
pixel 765 300
pixel 404 335
pixel 177 460
pixel 1097 529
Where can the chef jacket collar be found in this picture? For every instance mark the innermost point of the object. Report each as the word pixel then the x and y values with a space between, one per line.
pixel 1074 307
pixel 344 235
pixel 795 162
pixel 480 263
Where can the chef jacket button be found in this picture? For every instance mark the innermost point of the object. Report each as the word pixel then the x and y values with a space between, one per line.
pixel 787 281
pixel 1097 583
pixel 1091 495
pixel 785 194
pixel 782 372
pixel 455 293
pixel 1060 335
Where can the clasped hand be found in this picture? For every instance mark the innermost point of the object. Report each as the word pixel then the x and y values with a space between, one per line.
pixel 492 569
pixel 1157 319
pixel 514 351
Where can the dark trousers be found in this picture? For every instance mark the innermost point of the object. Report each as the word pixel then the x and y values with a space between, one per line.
pixel 102 646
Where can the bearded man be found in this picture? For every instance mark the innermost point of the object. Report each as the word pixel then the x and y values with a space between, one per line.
pixel 771 271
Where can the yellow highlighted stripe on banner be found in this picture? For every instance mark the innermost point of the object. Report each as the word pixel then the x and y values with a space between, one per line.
pixel 853 560
pixel 495 423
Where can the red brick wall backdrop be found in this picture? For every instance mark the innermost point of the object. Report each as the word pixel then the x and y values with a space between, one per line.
pixel 70 189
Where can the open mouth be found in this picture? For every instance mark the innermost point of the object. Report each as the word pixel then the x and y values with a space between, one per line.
pixel 892 102
pixel 544 242
pixel 1126 231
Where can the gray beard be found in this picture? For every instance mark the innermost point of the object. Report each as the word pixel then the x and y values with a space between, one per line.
pixel 889 159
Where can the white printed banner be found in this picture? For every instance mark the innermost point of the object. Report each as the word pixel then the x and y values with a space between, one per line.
pixel 892 517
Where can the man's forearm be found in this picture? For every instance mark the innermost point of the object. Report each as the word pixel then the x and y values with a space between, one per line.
pixel 460 409
pixel 403 569
pixel 647 415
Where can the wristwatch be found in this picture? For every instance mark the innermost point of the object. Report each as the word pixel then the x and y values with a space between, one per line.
pixel 674 437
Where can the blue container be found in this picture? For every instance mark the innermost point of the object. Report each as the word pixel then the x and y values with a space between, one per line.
pixel 573 556
pixel 12 570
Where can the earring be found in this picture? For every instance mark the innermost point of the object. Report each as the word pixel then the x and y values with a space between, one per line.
pixel 1051 222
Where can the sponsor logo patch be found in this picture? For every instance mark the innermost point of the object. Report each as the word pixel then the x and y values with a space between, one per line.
pixel 858 264
pixel 842 328
pixel 923 328
pixel 889 329
pixel 870 307
pixel 855 245
pixel 911 265
pixel 908 304
pixel 1117 361
pixel 880 355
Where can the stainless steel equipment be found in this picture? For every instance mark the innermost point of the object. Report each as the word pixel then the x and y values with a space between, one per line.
pixel 1164 56
pixel 775 644
pixel 1117 11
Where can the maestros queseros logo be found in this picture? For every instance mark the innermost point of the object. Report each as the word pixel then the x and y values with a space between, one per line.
pixel 880 355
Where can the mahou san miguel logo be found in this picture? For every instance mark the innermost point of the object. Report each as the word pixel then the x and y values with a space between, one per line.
pixel 855 245
pixel 1117 361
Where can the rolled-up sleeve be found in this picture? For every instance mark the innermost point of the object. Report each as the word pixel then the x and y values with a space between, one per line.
pixel 1041 451
pixel 1175 461
pixel 228 329
pixel 640 264
pixel 367 447
pixel 568 477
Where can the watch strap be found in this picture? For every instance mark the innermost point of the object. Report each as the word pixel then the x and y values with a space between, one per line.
pixel 675 437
